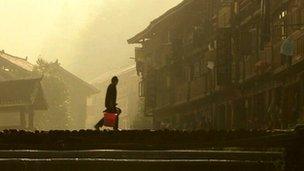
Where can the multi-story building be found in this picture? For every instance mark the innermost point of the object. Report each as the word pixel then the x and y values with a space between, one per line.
pixel 270 87
pixel 216 64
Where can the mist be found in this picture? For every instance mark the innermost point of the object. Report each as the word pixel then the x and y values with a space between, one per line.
pixel 88 37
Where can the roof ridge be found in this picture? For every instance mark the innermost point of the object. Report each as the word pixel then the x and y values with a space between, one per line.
pixel 116 72
pixel 17 57
pixel 17 61
pixel 22 79
pixel 158 20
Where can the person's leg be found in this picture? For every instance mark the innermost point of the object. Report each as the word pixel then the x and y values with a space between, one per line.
pixel 116 123
pixel 99 124
pixel 118 112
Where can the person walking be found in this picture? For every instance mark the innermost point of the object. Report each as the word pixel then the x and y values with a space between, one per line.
pixel 110 103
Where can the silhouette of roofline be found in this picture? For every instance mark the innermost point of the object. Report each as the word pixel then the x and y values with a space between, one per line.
pixel 156 22
pixel 91 88
pixel 27 66
pixel 108 75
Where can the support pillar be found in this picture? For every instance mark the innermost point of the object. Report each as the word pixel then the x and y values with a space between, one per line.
pixel 31 119
pixel 22 119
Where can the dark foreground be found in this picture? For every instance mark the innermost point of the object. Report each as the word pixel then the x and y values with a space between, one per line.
pixel 140 160
pixel 152 150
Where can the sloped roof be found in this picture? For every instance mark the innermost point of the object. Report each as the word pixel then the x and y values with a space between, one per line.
pixel 108 75
pixel 155 23
pixel 91 89
pixel 21 62
pixel 17 94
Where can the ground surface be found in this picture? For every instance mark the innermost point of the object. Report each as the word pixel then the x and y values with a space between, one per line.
pixel 144 150
pixel 146 139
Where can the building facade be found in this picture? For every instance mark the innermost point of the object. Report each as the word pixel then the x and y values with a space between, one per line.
pixel 217 64
pixel 79 91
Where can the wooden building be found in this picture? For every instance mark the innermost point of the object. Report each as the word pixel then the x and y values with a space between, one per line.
pixel 79 92
pixel 270 87
pixel 14 68
pixel 169 61
pixel 23 97
pixel 213 64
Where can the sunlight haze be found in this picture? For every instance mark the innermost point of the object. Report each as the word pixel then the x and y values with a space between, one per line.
pixel 82 34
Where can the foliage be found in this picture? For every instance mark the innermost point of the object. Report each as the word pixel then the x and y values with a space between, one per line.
pixel 56 93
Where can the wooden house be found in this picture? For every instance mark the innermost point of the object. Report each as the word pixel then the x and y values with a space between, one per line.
pixel 214 64
pixel 23 96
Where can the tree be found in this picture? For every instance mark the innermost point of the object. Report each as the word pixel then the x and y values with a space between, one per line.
pixel 57 96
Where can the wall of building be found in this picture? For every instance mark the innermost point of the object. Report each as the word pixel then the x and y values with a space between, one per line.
pixel 224 71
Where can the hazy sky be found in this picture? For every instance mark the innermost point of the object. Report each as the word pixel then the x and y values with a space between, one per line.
pixel 87 36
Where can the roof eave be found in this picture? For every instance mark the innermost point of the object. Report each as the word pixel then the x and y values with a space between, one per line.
pixel 155 23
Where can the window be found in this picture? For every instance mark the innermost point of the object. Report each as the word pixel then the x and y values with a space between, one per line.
pixel 282 18
pixel 280 26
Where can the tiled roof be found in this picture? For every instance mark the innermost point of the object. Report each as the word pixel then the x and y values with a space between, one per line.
pixel 108 75
pixel 91 88
pixel 21 62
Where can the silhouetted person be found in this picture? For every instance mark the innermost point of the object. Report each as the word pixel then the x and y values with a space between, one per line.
pixel 110 103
